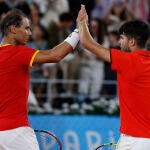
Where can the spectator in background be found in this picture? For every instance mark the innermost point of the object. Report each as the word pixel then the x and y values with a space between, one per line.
pixel 3 7
pixel 24 6
pixel 43 4
pixel 11 3
pixel 91 67
pixel 73 71
pixel 117 13
pixel 39 38
pixel 113 39
pixel 35 15
pixel 39 41
pixel 99 8
pixel 32 101
pixel 111 89
pixel 54 9
pixel 6 5
pixel 58 31
pixel 140 8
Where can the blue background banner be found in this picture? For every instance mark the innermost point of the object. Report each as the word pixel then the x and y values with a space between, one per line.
pixel 77 132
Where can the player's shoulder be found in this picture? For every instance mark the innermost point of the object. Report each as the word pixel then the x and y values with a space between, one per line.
pixel 142 52
pixel 21 47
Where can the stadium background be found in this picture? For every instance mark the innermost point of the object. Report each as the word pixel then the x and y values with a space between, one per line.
pixel 76 99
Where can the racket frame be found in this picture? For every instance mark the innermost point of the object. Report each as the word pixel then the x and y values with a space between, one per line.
pixel 106 144
pixel 51 134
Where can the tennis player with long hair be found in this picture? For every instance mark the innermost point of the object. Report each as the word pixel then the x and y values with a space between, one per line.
pixel 15 60
pixel 132 64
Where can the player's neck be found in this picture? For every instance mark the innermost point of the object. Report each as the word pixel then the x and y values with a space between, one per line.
pixel 135 48
pixel 7 40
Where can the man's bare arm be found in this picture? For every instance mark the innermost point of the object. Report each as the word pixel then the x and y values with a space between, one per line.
pixel 53 55
pixel 87 40
pixel 58 52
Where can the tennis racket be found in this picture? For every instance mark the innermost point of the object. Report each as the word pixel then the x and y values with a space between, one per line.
pixel 47 140
pixel 107 146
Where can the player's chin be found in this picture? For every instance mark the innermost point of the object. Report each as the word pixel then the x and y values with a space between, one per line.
pixel 25 42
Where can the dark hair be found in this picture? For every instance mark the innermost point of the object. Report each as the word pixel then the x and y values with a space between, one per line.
pixel 12 17
pixel 136 29
pixel 66 16
pixel 101 29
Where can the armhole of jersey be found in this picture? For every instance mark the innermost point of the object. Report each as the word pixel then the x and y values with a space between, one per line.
pixel 32 59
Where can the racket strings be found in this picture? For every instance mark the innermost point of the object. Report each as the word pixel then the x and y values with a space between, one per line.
pixel 47 140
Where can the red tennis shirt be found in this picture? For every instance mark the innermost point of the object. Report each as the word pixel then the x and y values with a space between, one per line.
pixel 133 76
pixel 14 85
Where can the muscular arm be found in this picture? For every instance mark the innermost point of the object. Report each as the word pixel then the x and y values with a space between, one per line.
pixel 87 40
pixel 53 55
pixel 58 52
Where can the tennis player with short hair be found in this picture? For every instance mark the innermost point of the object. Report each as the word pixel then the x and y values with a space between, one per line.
pixel 132 64
pixel 15 59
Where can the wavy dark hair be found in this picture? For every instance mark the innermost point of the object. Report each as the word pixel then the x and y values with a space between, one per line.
pixel 12 17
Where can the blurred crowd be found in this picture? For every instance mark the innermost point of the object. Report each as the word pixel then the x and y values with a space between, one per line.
pixel 53 20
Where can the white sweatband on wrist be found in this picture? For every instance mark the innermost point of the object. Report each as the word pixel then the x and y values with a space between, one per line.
pixel 73 38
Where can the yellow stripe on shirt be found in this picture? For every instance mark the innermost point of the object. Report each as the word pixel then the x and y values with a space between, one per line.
pixel 32 59
pixel 1 45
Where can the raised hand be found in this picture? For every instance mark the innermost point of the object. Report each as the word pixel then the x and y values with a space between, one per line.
pixel 87 40
pixel 82 16
pixel 82 21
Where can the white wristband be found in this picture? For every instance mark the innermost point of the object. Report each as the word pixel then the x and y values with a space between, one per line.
pixel 73 38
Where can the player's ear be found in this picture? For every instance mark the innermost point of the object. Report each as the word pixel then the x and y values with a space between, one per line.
pixel 12 29
pixel 132 42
